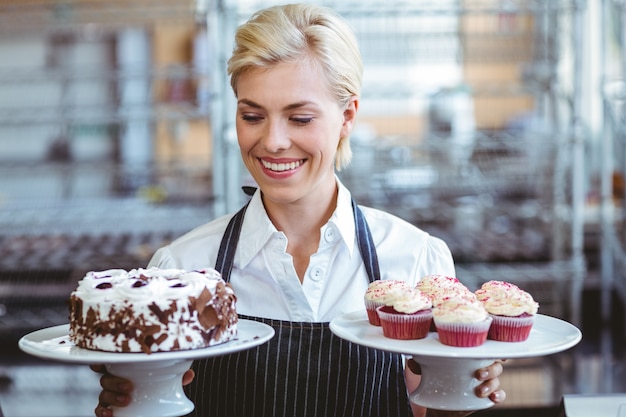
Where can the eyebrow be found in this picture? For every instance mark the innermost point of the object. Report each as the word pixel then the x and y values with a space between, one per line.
pixel 288 107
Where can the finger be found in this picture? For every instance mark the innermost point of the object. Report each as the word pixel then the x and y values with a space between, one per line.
pixel 492 371
pixel 98 368
pixel 488 387
pixel 102 411
pixel 108 398
pixel 115 384
pixel 188 376
pixel 414 366
pixel 115 391
pixel 498 396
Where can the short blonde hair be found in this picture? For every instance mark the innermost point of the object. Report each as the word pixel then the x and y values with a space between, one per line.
pixel 295 32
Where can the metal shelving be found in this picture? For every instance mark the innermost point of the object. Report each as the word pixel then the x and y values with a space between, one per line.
pixel 613 156
pixel 48 16
pixel 90 203
pixel 94 74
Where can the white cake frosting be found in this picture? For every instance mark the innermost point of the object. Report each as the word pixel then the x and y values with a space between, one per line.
pixel 152 310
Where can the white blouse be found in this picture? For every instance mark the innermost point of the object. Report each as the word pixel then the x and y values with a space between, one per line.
pixel 266 283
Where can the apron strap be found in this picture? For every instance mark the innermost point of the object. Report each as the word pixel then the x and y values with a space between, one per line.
pixel 228 246
pixel 366 244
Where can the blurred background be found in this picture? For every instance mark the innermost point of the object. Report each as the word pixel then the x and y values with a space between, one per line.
pixel 497 125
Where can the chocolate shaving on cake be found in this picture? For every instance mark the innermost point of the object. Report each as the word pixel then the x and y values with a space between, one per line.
pixel 203 299
pixel 161 315
pixel 161 339
pixel 76 309
pixel 208 318
pixel 146 339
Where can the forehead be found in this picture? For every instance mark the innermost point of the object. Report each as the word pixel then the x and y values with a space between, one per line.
pixel 287 80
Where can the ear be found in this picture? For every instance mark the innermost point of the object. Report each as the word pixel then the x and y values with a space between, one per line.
pixel 349 116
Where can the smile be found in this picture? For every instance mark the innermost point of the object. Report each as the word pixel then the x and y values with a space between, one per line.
pixel 280 167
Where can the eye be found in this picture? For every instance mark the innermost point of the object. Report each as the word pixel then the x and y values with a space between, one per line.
pixel 251 118
pixel 302 120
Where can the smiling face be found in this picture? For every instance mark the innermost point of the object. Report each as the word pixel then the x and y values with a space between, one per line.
pixel 288 127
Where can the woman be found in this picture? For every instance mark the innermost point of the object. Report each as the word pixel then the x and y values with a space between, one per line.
pixel 301 252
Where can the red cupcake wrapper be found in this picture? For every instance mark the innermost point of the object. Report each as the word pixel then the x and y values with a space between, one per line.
pixel 511 329
pixel 372 314
pixel 463 334
pixel 404 326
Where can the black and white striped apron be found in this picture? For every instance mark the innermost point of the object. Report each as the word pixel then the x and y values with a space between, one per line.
pixel 304 370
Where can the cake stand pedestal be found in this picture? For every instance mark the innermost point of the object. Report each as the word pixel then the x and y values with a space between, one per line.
pixel 448 381
pixel 158 389
pixel 157 377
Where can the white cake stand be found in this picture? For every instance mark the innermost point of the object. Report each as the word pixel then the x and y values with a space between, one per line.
pixel 448 381
pixel 156 377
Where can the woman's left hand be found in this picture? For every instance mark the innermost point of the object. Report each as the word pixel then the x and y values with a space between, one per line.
pixel 490 386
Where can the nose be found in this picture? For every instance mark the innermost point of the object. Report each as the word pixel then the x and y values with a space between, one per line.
pixel 275 137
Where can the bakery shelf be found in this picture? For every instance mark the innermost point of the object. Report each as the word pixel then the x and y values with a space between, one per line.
pixel 44 16
pixel 613 157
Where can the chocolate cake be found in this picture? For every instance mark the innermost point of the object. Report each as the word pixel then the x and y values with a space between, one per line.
pixel 152 310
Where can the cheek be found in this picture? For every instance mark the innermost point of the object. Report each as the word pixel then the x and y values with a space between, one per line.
pixel 317 143
pixel 244 139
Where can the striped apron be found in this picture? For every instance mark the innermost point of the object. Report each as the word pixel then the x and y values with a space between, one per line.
pixel 304 370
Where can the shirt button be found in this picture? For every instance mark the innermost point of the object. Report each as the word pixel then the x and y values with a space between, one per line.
pixel 329 234
pixel 316 274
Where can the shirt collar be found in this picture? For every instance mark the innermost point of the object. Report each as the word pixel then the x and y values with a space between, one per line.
pixel 343 217
pixel 257 227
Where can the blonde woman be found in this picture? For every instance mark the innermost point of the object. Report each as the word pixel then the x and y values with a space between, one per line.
pixel 301 252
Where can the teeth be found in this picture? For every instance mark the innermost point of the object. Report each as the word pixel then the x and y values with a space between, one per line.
pixel 282 166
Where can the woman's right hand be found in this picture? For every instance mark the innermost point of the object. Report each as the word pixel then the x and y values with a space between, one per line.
pixel 117 391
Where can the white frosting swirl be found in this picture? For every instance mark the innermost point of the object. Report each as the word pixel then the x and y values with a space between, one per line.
pixel 457 310
pixel 506 299
pixel 142 284
pixel 408 300
pixel 97 286
pixel 380 290
pixel 436 282
pixel 440 288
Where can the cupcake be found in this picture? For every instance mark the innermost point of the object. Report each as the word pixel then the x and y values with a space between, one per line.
pixel 461 322
pixel 376 295
pixel 513 310
pixel 440 288
pixel 406 315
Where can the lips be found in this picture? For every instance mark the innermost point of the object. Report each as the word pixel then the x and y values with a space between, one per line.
pixel 281 166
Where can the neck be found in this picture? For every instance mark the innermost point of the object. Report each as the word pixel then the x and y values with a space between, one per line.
pixel 301 221
pixel 308 214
